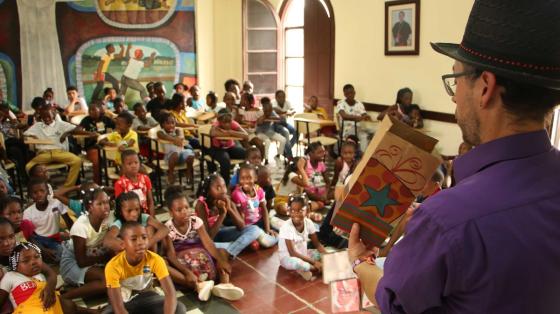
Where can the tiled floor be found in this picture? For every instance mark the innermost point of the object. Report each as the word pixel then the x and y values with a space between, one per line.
pixel 271 289
pixel 268 288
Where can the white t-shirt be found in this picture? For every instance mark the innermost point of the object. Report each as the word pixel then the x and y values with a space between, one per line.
pixel 19 286
pixel 290 187
pixel 94 240
pixel 219 106
pixel 82 104
pixel 51 132
pixel 46 222
pixel 133 68
pixel 287 106
pixel 357 109
pixel 299 239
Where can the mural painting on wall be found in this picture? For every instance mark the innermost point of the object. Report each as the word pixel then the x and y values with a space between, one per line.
pixel 135 13
pixel 7 80
pixel 128 64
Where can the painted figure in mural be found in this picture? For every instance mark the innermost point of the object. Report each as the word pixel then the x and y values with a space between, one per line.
pixel 148 4
pixel 101 75
pixel 401 31
pixel 132 72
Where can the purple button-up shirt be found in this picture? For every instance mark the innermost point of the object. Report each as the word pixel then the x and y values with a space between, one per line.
pixel 491 244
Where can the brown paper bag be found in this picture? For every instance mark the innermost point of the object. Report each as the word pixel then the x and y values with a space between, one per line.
pixel 393 170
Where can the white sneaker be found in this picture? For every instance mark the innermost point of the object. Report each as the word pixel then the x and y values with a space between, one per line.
pixel 204 289
pixel 228 291
pixel 307 275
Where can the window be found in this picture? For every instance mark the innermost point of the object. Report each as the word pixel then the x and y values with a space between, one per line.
pixel 260 46
pixel 294 53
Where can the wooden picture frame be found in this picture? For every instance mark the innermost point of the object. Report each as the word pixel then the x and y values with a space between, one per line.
pixel 402 27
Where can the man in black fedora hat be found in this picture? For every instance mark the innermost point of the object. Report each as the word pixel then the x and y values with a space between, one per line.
pixel 491 243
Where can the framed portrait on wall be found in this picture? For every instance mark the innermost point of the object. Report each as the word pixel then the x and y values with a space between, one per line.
pixel 402 27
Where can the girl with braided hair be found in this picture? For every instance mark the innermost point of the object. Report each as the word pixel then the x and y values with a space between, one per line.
pixel 28 289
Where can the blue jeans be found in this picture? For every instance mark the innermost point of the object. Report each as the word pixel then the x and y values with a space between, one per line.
pixel 282 130
pixel 292 131
pixel 147 302
pixel 234 240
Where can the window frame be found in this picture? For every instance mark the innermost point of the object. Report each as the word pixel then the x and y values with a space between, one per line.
pixel 279 46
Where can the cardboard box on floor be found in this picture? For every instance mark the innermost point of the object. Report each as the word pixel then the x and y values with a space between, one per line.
pixel 393 170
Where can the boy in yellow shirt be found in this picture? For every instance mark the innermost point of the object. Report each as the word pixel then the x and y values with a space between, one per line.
pixel 123 137
pixel 129 277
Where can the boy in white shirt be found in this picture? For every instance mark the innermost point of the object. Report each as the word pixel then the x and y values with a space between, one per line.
pixel 57 133
pixel 350 112
pixel 284 109
pixel 45 215
pixel 76 104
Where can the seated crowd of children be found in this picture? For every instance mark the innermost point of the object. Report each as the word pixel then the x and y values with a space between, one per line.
pixel 108 240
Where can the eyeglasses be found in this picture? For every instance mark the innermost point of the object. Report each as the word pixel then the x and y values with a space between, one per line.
pixel 450 82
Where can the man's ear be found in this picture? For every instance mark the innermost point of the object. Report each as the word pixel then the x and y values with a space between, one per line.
pixel 488 88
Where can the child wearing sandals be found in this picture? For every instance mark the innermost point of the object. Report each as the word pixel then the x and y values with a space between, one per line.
pixel 250 201
pixel 83 255
pixel 194 261
pixel 294 234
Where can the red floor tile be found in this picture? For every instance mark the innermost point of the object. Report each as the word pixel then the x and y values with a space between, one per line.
pixel 306 310
pixel 269 291
pixel 287 303
pixel 313 293
pixel 261 309
pixel 324 305
pixel 249 301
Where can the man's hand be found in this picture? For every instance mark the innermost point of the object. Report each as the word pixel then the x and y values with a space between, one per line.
pixel 356 248
pixel 318 266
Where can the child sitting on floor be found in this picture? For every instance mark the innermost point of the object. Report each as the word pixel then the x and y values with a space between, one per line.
pixel 83 256
pixel 316 171
pixel 11 209
pixel 344 165
pixel 41 171
pixel 194 260
pixel 264 180
pixel 293 182
pixel 129 277
pixel 294 234
pixel 123 137
pixel 177 152
pixel 214 206
pixel 128 209
pixel 250 201
pixel 27 287
pixel 254 157
pixel 44 216
pixel 9 240
pixel 134 181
